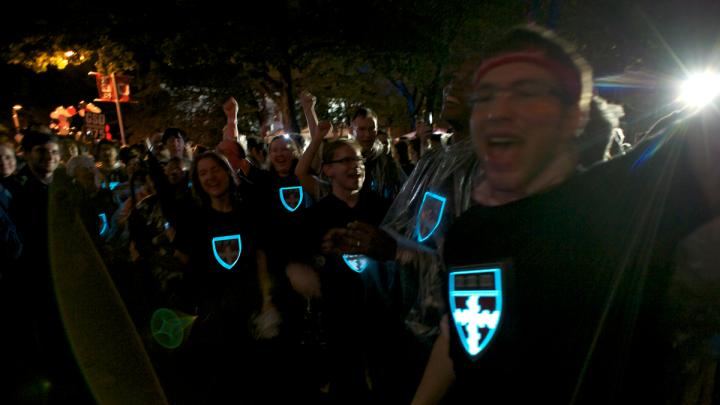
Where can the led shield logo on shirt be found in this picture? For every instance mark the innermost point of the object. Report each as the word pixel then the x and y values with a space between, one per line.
pixel 476 306
pixel 357 263
pixel 227 250
pixel 103 223
pixel 112 185
pixel 291 197
pixel 429 215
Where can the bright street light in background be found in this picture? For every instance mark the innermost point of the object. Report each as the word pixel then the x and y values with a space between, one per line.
pixel 700 89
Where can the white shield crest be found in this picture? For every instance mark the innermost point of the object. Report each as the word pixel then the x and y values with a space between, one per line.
pixel 357 263
pixel 476 303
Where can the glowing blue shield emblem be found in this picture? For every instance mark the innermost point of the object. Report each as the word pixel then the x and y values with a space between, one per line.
pixel 291 197
pixel 429 215
pixel 227 250
pixel 476 306
pixel 112 185
pixel 103 225
pixel 357 263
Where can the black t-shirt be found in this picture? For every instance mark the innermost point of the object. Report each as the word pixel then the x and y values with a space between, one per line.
pixel 222 274
pixel 584 275
pixel 343 288
pixel 331 212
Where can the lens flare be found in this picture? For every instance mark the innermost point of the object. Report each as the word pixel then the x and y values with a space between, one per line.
pixel 170 329
pixel 700 89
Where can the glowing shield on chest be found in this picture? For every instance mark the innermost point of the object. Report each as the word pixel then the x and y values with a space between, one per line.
pixel 227 250
pixel 476 302
pixel 429 215
pixel 357 263
pixel 291 197
pixel 103 223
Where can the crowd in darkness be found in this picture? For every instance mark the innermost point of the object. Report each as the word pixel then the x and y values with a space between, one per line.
pixel 317 271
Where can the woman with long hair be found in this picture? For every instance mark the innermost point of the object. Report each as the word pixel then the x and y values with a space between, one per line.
pixel 227 284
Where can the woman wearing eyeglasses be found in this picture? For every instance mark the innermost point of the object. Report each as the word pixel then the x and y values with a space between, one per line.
pixel 343 299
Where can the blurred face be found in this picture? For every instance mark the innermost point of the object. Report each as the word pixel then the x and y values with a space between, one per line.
pixel 176 146
pixel 8 163
pixel 174 172
pixel 346 171
pixel 85 177
pixel 365 130
pixel 71 150
pixel 44 159
pixel 455 107
pixel 281 156
pixel 520 125
pixel 258 155
pixel 214 180
pixel 108 155
pixel 132 166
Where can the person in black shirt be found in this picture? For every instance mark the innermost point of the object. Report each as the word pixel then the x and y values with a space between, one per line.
pixel 351 308
pixel 384 174
pixel 38 342
pixel 558 282
pixel 227 284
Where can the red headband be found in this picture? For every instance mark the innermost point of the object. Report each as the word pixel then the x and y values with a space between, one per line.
pixel 568 77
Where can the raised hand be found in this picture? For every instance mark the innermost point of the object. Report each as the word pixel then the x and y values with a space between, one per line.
pixel 371 241
pixel 307 100
pixel 230 107
pixel 323 129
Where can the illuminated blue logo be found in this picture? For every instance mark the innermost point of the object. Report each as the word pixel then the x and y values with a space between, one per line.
pixel 103 223
pixel 111 185
pixel 227 250
pixel 357 263
pixel 476 306
pixel 429 215
pixel 291 197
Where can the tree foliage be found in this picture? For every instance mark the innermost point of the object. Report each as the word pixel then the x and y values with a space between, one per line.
pixel 187 56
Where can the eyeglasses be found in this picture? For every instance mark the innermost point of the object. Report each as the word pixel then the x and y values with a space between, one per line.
pixel 346 160
pixel 519 92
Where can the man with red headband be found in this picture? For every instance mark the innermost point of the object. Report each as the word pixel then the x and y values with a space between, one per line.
pixel 558 281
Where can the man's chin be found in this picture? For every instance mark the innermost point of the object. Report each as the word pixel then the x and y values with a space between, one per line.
pixel 505 183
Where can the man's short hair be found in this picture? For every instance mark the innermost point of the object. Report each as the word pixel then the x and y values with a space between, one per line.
pixel 365 112
pixel 33 138
pixel 256 143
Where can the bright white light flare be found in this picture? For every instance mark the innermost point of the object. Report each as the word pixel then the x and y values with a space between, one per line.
pixel 700 89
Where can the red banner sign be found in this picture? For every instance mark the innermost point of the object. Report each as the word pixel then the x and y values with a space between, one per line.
pixel 108 92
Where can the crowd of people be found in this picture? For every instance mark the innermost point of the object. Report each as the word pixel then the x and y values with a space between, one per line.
pixel 531 256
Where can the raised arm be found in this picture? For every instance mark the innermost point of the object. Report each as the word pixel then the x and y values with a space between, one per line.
pixel 317 133
pixel 307 101
pixel 231 111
